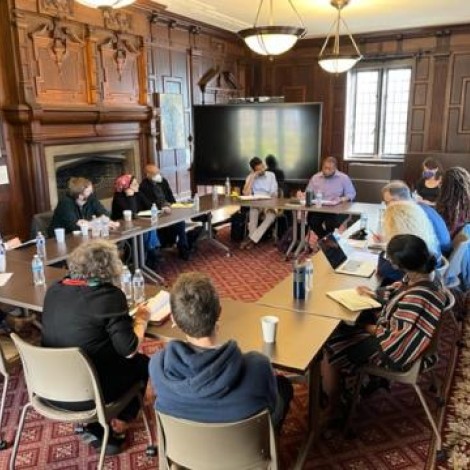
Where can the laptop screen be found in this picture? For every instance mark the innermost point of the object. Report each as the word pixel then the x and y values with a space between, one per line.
pixel 333 252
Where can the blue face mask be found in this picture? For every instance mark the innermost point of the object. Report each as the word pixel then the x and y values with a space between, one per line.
pixel 428 174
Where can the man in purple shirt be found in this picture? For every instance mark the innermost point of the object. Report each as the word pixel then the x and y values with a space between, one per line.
pixel 335 187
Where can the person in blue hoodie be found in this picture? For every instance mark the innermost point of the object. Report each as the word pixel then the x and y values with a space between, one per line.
pixel 203 380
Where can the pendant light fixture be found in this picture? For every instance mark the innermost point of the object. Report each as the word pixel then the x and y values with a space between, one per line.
pixel 272 40
pixel 335 61
pixel 105 4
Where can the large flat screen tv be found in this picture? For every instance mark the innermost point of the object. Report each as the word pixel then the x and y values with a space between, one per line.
pixel 226 137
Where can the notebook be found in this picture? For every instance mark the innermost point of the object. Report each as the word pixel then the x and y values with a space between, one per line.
pixel 340 262
pixel 352 300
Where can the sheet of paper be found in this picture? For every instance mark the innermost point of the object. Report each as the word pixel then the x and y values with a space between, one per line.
pixel 254 197
pixel 4 278
pixel 352 300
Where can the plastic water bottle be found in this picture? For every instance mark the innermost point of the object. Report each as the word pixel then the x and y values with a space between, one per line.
pixel 3 258
pixel 364 222
pixel 299 281
pixel 318 199
pixel 197 202
pixel 104 226
pixel 41 245
pixel 37 267
pixel 126 283
pixel 215 195
pixel 154 214
pixel 228 187
pixel 308 275
pixel 138 285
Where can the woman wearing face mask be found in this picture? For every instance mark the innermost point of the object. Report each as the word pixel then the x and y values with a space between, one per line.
pixel 428 186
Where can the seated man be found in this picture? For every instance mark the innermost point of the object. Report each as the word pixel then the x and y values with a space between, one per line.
pixel 334 186
pixel 157 190
pixel 399 191
pixel 259 181
pixel 201 379
pixel 77 207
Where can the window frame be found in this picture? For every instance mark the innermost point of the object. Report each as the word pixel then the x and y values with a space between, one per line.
pixel 379 134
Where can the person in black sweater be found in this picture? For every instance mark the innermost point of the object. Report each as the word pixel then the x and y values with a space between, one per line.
pixel 77 207
pixel 86 310
pixel 157 190
pixel 128 197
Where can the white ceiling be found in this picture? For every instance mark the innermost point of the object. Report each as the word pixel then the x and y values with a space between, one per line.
pixel 361 15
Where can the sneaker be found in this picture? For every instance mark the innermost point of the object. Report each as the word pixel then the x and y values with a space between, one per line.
pixel 93 435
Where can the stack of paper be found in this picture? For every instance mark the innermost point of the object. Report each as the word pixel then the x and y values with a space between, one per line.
pixel 352 300
pixel 159 307
pixel 254 197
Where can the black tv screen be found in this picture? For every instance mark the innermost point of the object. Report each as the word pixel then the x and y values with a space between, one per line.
pixel 226 137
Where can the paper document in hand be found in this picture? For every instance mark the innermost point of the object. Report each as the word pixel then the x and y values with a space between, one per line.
pixel 255 197
pixel 159 307
pixel 352 300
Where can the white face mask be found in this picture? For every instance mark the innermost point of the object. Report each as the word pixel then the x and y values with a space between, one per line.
pixel 157 178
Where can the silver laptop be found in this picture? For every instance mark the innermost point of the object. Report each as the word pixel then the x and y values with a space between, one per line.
pixel 340 262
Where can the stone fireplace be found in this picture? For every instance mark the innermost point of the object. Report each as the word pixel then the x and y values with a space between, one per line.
pixel 101 162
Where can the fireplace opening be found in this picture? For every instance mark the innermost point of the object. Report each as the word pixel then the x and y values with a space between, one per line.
pixel 100 162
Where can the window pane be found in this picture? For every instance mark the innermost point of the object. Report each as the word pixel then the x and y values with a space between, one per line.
pixel 396 111
pixel 365 113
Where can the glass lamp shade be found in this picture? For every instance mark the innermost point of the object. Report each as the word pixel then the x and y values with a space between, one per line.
pixel 271 40
pixel 105 3
pixel 338 63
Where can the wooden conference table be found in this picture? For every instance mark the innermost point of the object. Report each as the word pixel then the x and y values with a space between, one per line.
pixel 299 341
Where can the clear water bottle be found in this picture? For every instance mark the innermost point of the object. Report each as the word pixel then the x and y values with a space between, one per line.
pixel 215 195
pixel 104 226
pixel 228 187
pixel 197 202
pixel 95 227
pixel 138 285
pixel 37 267
pixel 319 199
pixel 3 258
pixel 154 214
pixel 364 222
pixel 41 245
pixel 126 283
pixel 308 274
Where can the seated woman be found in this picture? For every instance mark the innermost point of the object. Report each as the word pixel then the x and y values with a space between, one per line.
pixel 86 310
pixel 404 217
pixel 428 186
pixel 454 200
pixel 128 197
pixel 402 330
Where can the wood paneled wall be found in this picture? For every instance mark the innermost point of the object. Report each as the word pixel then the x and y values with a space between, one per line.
pixel 71 74
pixel 439 118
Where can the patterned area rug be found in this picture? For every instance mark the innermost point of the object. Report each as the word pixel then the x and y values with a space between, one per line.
pixel 392 429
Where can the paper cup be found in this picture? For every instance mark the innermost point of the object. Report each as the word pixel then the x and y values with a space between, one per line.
pixel 60 235
pixel 269 327
pixel 84 229
pixel 127 215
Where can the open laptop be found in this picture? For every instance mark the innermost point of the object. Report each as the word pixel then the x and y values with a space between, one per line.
pixel 340 262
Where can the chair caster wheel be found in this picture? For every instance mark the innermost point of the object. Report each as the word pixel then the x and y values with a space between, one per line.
pixel 441 456
pixel 79 429
pixel 151 451
pixel 3 444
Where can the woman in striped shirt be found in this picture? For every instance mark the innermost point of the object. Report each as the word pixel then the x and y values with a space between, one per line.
pixel 401 331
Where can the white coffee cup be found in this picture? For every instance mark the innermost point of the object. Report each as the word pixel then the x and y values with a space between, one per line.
pixel 127 215
pixel 269 327
pixel 60 235
pixel 84 229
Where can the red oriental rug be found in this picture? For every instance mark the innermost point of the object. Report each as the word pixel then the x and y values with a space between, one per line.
pixel 392 429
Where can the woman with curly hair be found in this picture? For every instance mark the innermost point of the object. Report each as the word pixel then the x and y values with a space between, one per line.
pixel 87 310
pixel 454 201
